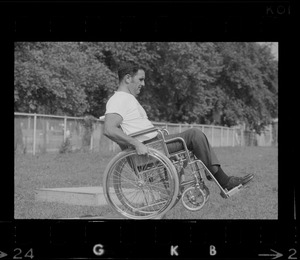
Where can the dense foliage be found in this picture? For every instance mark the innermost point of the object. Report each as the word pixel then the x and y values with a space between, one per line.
pixel 212 83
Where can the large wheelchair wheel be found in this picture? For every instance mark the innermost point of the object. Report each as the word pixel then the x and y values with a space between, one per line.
pixel 140 186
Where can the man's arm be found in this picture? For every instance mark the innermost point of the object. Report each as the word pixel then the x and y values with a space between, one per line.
pixel 112 131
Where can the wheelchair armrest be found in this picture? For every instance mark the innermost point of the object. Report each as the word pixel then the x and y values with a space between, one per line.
pixel 143 132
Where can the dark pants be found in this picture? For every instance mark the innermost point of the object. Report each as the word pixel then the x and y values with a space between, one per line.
pixel 196 142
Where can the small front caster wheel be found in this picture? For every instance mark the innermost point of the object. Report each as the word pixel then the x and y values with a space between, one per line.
pixel 193 198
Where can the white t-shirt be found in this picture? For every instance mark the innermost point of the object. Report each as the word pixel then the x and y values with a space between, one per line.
pixel 134 116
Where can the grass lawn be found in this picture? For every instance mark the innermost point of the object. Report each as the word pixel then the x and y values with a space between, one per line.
pixel 258 200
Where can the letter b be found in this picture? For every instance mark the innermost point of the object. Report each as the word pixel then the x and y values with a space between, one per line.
pixel 212 250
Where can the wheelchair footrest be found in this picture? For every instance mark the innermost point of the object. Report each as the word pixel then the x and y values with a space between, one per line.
pixel 233 191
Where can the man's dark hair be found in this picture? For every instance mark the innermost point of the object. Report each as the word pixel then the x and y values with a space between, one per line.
pixel 127 68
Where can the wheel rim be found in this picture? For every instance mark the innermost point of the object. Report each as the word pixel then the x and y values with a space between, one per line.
pixel 144 189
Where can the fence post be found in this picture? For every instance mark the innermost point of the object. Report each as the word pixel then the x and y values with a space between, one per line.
pixel 34 134
pixel 65 128
pixel 243 143
pixel 233 135
pixel 227 136
pixel 92 139
pixel 221 136
pixel 91 143
pixel 212 135
pixel 271 134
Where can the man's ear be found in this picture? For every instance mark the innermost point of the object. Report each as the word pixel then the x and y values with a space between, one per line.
pixel 127 78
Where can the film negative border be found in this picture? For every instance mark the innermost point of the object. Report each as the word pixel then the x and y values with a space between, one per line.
pixel 102 239
pixel 153 240
pixel 117 19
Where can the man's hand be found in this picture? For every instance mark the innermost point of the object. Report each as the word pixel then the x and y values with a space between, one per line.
pixel 141 149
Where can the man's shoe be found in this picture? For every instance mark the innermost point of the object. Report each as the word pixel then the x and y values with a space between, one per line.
pixel 236 181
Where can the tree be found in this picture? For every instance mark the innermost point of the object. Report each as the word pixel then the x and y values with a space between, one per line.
pixel 47 79
pixel 220 83
pixel 248 81
pixel 178 81
pixel 59 78
pixel 99 80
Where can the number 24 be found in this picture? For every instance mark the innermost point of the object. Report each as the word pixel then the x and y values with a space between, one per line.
pixel 19 251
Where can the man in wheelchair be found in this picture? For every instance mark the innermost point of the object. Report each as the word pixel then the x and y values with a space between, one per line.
pixel 125 116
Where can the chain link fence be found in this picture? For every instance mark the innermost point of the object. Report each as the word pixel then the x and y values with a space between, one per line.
pixel 37 133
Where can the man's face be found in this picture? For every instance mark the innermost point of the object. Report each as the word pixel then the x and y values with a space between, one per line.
pixel 137 82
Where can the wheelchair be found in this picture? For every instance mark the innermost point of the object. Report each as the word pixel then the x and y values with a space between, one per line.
pixel 148 186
